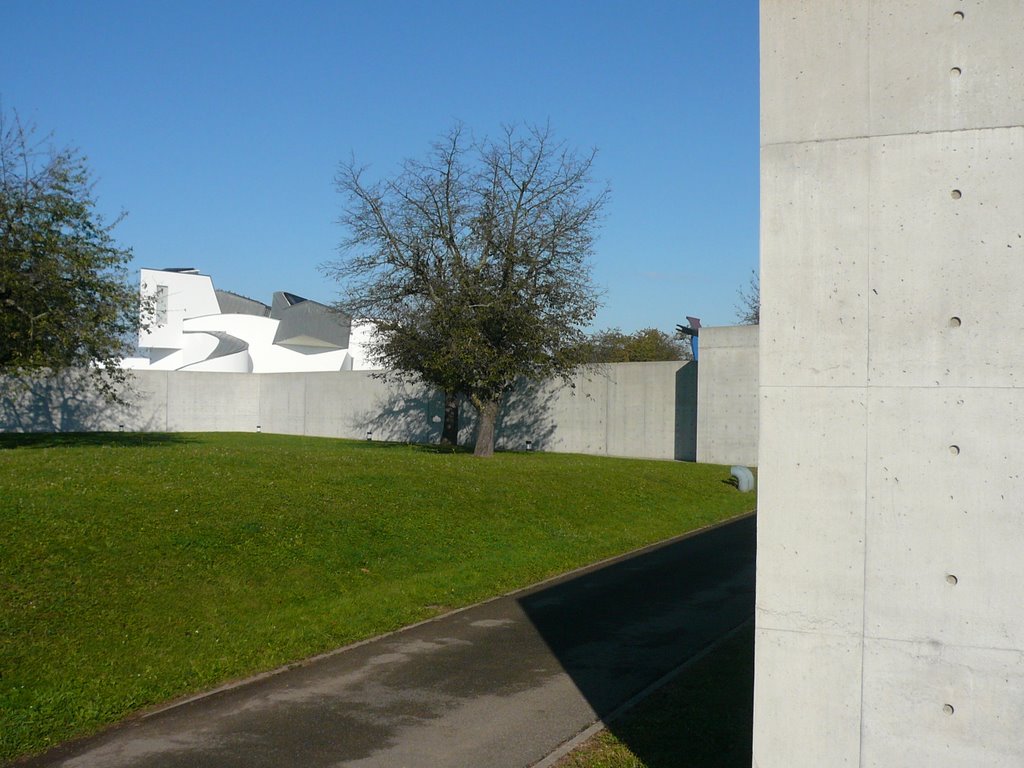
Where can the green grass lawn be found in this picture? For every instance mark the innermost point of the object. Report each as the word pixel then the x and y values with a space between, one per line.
pixel 137 568
pixel 702 719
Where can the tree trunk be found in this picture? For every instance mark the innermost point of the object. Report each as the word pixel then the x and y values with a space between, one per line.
pixel 450 429
pixel 487 417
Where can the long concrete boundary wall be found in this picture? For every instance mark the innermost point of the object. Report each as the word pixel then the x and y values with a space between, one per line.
pixel 890 535
pixel 727 396
pixel 645 410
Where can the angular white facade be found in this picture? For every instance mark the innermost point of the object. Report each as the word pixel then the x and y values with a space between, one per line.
pixel 194 327
pixel 890 630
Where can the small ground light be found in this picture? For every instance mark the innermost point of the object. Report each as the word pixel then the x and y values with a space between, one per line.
pixel 259 428
pixel 529 445
pixel 120 427
pixel 369 434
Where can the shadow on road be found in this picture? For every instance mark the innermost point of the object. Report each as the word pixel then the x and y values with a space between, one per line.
pixel 619 628
pixel 703 718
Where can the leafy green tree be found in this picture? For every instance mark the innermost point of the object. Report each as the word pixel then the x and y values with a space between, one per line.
pixel 473 264
pixel 64 297
pixel 643 346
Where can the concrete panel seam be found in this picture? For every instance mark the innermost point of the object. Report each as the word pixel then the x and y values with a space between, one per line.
pixel 607 413
pixel 867 449
pixel 167 400
pixel 942 644
pixel 867 420
pixel 902 387
pixel 868 137
pixel 807 632
pixel 858 387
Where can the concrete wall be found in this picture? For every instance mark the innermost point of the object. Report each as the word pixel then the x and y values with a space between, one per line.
pixel 889 627
pixel 630 409
pixel 727 395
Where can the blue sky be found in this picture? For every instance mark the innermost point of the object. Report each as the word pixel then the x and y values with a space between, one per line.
pixel 218 126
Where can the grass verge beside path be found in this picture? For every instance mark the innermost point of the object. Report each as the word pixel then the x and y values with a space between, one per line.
pixel 137 568
pixel 702 719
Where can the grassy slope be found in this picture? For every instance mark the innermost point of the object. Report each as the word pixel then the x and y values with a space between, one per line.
pixel 138 568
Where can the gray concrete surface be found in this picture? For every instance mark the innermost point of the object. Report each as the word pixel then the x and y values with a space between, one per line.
pixel 501 684
pixel 889 629
pixel 727 395
pixel 643 410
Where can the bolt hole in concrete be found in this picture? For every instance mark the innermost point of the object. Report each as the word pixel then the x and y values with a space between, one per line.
pixel 954 72
pixel 952 579
pixel 948 709
pixel 954 322
pixel 958 15
pixel 955 194
pixel 954 449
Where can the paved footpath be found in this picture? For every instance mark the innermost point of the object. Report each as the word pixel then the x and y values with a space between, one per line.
pixel 499 684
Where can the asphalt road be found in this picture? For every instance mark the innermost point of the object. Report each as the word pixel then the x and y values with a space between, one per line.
pixel 499 684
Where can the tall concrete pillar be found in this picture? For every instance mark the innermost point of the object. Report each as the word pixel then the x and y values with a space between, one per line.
pixel 890 584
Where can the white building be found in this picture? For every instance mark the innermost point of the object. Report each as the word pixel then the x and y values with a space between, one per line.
pixel 195 327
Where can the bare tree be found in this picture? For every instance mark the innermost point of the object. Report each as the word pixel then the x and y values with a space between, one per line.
pixel 748 311
pixel 473 264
